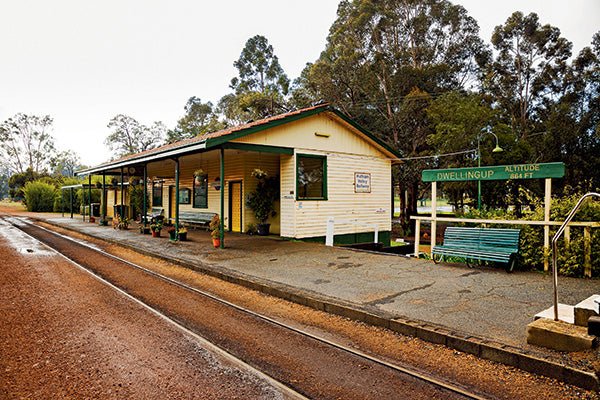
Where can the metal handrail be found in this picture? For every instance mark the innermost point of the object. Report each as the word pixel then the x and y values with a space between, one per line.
pixel 555 238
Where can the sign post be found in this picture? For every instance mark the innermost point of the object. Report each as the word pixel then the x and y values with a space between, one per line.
pixel 545 171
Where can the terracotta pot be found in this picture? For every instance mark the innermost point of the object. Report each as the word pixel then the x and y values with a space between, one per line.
pixel 217 243
pixel 155 233
pixel 92 220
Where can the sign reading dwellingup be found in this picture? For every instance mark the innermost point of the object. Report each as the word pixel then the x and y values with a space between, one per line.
pixel 497 172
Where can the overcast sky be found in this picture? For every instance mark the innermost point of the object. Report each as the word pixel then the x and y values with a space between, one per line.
pixel 83 62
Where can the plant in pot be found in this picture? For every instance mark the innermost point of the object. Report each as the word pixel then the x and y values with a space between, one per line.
pixel 103 221
pixel 172 232
pixel 262 200
pixel 123 223
pixel 215 230
pixel 156 227
pixel 199 176
pixel 182 233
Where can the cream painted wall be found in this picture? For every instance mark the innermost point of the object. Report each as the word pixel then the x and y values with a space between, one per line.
pixel 308 218
pixel 347 152
pixel 300 135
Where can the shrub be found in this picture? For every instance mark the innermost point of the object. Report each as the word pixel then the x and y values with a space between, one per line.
pixel 571 257
pixel 39 196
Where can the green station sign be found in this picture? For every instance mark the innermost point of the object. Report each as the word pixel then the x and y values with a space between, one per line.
pixel 497 172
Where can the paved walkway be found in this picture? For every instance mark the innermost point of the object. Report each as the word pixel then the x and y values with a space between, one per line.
pixel 483 302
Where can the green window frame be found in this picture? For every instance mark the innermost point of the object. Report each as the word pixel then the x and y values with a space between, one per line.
pixel 157 194
pixel 307 183
pixel 200 191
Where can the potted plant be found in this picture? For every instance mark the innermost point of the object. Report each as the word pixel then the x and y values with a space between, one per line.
pixel 103 221
pixel 261 200
pixel 171 231
pixel 144 230
pixel 123 223
pixel 199 175
pixel 156 227
pixel 182 233
pixel 215 230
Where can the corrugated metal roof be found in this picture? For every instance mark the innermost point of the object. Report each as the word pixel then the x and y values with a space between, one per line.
pixel 215 138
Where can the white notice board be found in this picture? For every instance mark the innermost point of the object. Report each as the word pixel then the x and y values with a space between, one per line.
pixel 362 182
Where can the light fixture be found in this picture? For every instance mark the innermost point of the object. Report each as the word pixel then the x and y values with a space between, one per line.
pixel 217 183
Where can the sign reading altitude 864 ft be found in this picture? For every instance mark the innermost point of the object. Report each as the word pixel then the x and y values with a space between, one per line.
pixel 498 172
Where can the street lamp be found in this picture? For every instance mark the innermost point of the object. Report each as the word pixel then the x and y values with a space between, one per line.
pixel 497 149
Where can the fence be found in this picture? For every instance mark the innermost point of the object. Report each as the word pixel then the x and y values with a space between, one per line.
pixel 587 234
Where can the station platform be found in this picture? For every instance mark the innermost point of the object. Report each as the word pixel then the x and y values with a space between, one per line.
pixel 483 311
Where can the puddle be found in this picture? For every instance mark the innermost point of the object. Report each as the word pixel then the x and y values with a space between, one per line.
pixel 20 241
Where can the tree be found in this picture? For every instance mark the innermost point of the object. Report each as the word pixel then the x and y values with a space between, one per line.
pixel 460 119
pixel 385 59
pixel 261 87
pixel 259 70
pixel 65 163
pixel 531 60
pixel 199 118
pixel 25 143
pixel 130 137
pixel 570 122
pixel 4 176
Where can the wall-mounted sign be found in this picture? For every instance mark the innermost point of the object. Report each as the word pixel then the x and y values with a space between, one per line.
pixel 498 172
pixel 362 182
pixel 184 196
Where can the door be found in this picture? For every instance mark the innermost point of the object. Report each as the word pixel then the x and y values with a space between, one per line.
pixel 235 206
pixel 172 203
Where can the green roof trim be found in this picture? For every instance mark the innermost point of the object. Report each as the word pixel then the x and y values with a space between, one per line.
pixel 258 147
pixel 225 141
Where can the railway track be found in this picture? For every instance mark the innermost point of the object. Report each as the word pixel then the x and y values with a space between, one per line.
pixel 299 363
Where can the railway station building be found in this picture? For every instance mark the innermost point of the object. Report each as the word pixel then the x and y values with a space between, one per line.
pixel 328 167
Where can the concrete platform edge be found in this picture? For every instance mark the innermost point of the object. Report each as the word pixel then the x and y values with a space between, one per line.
pixel 479 347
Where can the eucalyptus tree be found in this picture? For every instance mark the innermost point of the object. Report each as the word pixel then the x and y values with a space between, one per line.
pixel 26 143
pixel 129 136
pixel 199 118
pixel 383 57
pixel 261 87
pixel 530 64
pixel 65 163
pixel 570 123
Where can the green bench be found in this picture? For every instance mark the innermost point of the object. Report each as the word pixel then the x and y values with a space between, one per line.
pixel 155 214
pixel 195 218
pixel 486 244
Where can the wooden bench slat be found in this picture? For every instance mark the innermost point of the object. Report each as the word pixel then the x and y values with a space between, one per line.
pixel 488 244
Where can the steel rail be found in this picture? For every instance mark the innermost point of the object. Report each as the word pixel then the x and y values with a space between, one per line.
pixel 410 372
pixel 201 340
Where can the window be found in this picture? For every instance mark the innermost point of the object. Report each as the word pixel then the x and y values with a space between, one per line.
pixel 311 177
pixel 157 194
pixel 201 192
